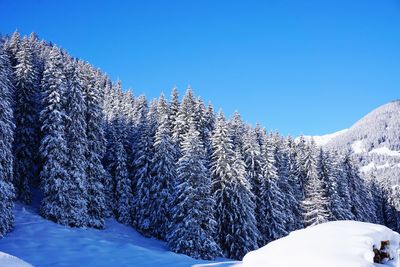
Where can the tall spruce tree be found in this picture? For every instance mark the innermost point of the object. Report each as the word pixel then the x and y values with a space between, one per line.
pixel 184 116
pixel 275 214
pixel 95 174
pixel 254 172
pixel 53 149
pixel 328 175
pixel 12 46
pixel 294 182
pixel 27 122
pixel 142 176
pixel 236 225
pixel 123 187
pixel 6 132
pixel 76 146
pixel 193 224
pixel 315 203
pixel 164 178
pixel 362 208
pixel 343 189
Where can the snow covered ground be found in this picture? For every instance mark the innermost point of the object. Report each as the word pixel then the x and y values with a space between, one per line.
pixel 7 260
pixel 45 244
pixel 334 244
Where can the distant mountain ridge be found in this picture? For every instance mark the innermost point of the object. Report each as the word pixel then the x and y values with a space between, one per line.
pixel 322 140
pixel 374 140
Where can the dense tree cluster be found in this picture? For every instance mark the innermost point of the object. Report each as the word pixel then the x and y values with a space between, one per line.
pixel 207 185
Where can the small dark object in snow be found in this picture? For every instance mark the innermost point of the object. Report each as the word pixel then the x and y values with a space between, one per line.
pixel 382 255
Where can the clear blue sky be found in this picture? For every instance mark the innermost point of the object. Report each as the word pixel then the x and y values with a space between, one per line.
pixel 309 67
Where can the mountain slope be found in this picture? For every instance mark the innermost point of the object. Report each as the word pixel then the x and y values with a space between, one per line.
pixel 375 142
pixel 321 140
pixel 43 243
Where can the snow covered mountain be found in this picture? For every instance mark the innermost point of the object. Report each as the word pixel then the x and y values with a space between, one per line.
pixel 321 140
pixel 374 140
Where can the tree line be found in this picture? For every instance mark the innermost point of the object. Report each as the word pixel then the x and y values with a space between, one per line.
pixel 173 169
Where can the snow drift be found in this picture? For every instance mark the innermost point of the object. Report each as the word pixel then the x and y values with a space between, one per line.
pixel 333 244
pixel 7 260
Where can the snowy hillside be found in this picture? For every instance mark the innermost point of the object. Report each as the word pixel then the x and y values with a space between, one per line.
pixel 374 140
pixel 334 244
pixel 321 140
pixel 46 244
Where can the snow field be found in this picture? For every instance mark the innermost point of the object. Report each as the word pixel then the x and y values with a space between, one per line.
pixel 45 244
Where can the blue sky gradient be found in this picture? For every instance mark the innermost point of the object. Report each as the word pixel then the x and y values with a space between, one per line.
pixel 309 67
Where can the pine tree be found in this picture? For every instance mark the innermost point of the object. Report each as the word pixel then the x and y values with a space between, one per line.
pixel 378 194
pixel 192 216
pixel 53 148
pixel 110 163
pixel 142 176
pixel 164 178
pixel 343 191
pixel 392 207
pixel 275 214
pixel 123 193
pixel 174 107
pixel 233 196
pixel 6 132
pixel 254 171
pixel 295 183
pixel 328 176
pixel 361 201
pixel 27 121
pixel 289 201
pixel 76 145
pixel 301 168
pixel 315 204
pixel 95 173
pixel 12 46
pixel 111 104
pixel 238 130
pixel 184 116
pixel 208 129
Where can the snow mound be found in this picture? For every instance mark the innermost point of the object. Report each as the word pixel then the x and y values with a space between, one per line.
pixel 7 260
pixel 333 244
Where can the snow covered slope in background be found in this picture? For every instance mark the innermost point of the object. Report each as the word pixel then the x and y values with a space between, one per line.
pixel 321 140
pixel 374 141
pixel 45 244
pixel 7 260
pixel 379 128
pixel 334 244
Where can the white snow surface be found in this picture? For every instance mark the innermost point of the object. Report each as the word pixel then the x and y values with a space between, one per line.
pixel 7 260
pixel 321 140
pixel 358 147
pixel 43 243
pixel 333 244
